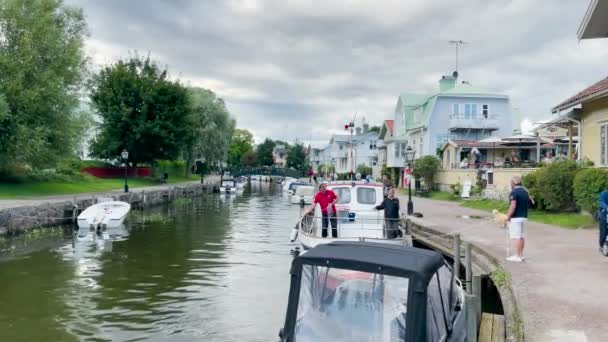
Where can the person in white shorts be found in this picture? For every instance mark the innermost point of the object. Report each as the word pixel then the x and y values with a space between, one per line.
pixel 517 217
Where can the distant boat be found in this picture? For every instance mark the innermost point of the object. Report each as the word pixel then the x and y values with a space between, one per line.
pixel 110 214
pixel 228 186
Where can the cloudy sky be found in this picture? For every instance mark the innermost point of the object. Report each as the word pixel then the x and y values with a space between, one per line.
pixel 300 69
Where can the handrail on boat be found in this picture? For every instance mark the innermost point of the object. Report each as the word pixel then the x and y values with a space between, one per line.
pixel 306 223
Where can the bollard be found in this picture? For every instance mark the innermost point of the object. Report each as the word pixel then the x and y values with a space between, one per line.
pixel 457 255
pixel 477 294
pixel 471 318
pixel 468 265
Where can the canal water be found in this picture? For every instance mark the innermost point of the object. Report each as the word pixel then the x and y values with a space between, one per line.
pixel 214 268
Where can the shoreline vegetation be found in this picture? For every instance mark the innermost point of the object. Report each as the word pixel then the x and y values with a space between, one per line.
pixel 568 220
pixel 29 189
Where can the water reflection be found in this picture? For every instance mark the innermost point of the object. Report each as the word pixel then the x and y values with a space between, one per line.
pixel 216 271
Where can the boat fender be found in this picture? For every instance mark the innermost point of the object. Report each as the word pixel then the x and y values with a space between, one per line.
pixel 294 234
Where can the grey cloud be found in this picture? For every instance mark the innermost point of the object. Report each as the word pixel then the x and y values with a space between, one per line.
pixel 309 66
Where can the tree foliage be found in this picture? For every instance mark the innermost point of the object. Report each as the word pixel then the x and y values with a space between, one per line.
pixel 41 71
pixel 296 158
pixel 425 168
pixel 211 129
pixel 142 111
pixel 249 159
pixel 241 142
pixel 588 184
pixel 264 152
pixel 364 170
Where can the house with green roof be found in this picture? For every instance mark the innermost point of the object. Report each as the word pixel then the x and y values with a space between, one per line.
pixel 457 111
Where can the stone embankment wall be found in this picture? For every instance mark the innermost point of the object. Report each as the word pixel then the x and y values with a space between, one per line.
pixel 55 212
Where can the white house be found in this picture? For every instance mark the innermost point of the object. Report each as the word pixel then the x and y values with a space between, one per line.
pixel 338 151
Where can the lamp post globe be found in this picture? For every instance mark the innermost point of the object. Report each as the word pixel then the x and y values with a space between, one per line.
pixel 410 154
pixel 125 157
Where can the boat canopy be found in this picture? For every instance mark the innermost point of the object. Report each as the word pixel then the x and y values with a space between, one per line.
pixel 364 291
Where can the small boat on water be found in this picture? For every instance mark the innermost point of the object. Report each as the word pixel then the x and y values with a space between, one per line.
pixel 103 215
pixel 357 218
pixel 362 291
pixel 303 195
pixel 228 186
pixel 286 182
pixel 293 186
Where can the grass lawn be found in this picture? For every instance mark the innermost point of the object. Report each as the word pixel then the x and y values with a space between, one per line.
pixel 32 189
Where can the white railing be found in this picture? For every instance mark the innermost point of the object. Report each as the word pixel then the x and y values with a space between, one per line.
pixel 361 223
pixel 473 121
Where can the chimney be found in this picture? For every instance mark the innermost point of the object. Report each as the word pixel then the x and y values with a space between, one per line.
pixel 358 130
pixel 448 82
pixel 365 128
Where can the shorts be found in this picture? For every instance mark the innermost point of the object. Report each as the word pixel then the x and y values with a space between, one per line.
pixel 517 227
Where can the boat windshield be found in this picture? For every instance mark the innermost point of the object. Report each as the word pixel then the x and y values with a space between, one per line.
pixel 344 305
pixel 228 183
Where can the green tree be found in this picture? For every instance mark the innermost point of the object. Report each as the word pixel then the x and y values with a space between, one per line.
pixel 41 72
pixel 264 152
pixel 296 157
pixel 249 159
pixel 142 111
pixel 375 129
pixel 211 128
pixel 364 170
pixel 242 142
pixel 425 168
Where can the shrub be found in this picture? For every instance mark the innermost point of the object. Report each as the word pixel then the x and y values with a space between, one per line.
pixel 425 168
pixel 530 181
pixel 555 183
pixel 587 186
pixel 364 170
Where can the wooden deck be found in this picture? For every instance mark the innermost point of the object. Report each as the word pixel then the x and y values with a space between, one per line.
pixel 492 328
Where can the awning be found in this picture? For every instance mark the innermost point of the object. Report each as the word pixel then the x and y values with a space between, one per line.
pixel 595 22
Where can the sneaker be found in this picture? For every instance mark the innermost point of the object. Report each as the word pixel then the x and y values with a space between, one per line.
pixel 514 258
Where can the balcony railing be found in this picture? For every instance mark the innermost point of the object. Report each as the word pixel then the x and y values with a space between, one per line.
pixel 465 121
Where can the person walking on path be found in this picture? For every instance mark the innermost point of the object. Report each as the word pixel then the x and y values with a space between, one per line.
pixel 326 200
pixel 391 215
pixel 517 216
pixel 603 217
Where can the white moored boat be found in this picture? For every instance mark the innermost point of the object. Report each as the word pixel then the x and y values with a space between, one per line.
pixel 228 186
pixel 303 195
pixel 110 214
pixel 358 219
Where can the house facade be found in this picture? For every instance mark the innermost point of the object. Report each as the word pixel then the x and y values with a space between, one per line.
pixel 279 155
pixel 589 109
pixel 458 111
pixel 384 140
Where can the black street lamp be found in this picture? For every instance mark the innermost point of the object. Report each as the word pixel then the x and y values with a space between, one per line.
pixel 410 154
pixel 125 158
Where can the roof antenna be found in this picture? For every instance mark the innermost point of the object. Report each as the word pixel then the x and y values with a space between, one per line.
pixel 457 43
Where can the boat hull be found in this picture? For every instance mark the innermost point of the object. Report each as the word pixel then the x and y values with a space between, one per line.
pixel 106 214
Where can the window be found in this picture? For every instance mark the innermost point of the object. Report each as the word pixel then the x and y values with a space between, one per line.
pixel 397 152
pixel 438 307
pixel 366 195
pixel 470 110
pixel 341 147
pixel 421 147
pixel 417 115
pixel 343 194
pixel 455 109
pixel 603 143
pixel 359 303
pixel 485 111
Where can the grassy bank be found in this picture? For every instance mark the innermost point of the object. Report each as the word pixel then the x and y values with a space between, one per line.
pixel 561 219
pixel 89 184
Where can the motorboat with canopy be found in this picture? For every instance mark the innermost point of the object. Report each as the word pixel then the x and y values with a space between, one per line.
pixel 365 291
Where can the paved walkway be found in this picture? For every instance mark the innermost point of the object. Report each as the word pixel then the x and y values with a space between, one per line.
pixel 26 202
pixel 561 288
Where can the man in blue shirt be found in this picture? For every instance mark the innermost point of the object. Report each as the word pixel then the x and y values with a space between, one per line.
pixel 603 218
pixel 517 217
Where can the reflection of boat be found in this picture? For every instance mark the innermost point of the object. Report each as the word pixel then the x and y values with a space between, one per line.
pixel 303 195
pixel 357 218
pixel 361 291
pixel 110 214
pixel 228 186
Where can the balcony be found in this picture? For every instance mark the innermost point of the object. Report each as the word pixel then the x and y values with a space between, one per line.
pixel 464 121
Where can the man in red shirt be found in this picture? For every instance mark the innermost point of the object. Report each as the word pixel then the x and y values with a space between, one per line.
pixel 326 200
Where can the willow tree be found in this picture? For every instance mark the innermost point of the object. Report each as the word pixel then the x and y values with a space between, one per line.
pixel 42 65
pixel 211 128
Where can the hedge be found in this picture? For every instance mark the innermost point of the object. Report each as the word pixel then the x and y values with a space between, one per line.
pixel 587 186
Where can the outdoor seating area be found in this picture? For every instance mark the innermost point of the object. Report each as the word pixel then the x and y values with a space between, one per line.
pixel 519 151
